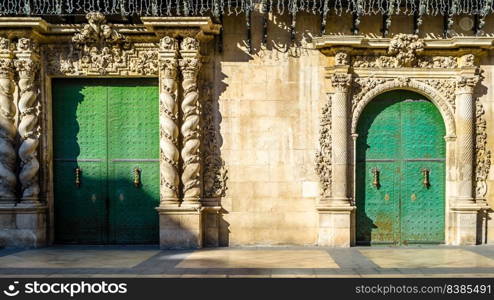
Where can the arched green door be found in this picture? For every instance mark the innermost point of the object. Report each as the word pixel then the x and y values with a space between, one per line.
pixel 400 171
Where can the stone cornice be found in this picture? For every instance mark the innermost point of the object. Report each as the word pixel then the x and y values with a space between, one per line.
pixel 152 28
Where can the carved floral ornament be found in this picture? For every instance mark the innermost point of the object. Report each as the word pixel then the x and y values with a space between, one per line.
pixel 99 49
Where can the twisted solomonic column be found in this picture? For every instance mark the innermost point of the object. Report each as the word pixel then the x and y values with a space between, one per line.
pixel 8 155
pixel 465 110
pixel 27 66
pixel 191 175
pixel 169 153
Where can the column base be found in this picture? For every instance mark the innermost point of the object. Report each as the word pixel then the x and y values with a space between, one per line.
pixel 465 225
pixel 335 226
pixel 22 225
pixel 180 227
pixel 211 217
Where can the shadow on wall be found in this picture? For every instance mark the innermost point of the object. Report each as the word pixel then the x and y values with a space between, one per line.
pixel 278 43
pixel 215 175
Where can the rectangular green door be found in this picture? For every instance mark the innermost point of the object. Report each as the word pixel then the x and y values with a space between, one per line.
pixel 106 128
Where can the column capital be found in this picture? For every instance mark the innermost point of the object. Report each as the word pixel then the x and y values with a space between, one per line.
pixel 341 82
pixel 6 58
pixel 466 84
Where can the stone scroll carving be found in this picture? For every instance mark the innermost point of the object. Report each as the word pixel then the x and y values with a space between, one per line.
pixel 27 65
pixel 323 155
pixel 8 155
pixel 190 64
pixel 482 155
pixel 169 149
pixel 99 49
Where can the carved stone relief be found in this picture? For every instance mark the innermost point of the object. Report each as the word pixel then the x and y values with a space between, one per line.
pixel 405 51
pixel 98 49
pixel 215 172
pixel 482 155
pixel 324 154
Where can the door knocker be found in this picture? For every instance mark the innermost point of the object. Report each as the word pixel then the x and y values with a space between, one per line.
pixel 425 182
pixel 137 177
pixel 375 182
pixel 77 177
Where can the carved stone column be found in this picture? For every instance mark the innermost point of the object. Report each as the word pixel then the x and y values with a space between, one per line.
pixel 335 211
pixel 191 174
pixel 180 221
pixel 8 155
pixel 24 223
pixel 27 65
pixel 465 209
pixel 169 152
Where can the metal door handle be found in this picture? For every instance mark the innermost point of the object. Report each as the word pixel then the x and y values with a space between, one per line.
pixel 78 177
pixel 137 177
pixel 375 181
pixel 425 174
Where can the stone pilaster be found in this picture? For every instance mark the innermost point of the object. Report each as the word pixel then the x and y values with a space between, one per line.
pixel 464 207
pixel 8 154
pixel 335 211
pixel 27 65
pixel 169 149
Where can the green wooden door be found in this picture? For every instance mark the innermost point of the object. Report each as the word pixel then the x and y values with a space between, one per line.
pixel 401 136
pixel 107 129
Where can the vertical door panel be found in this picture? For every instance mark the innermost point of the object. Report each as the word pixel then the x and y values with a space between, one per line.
pixel 133 143
pixel 378 146
pixel 79 137
pixel 423 149
pixel 378 207
pixel 423 207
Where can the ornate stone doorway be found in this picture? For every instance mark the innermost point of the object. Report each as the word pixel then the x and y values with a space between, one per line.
pixel 445 71
pixel 400 171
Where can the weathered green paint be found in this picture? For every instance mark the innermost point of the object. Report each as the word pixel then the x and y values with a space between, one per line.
pixel 107 128
pixel 400 134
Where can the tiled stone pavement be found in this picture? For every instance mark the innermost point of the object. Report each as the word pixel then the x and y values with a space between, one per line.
pixel 149 261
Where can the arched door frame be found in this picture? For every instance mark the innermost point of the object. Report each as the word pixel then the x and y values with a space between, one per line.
pixel 358 68
pixel 450 137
